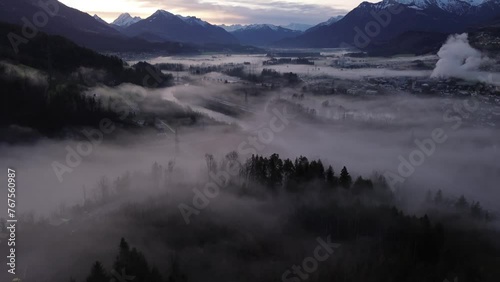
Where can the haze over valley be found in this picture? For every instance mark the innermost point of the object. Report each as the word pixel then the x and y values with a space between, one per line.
pixel 353 143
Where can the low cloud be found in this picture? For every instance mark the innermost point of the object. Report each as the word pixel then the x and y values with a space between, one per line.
pixel 457 58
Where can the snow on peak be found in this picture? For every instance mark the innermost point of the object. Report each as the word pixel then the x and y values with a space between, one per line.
pixel 451 6
pixel 261 26
pixel 163 13
pixel 331 21
pixel 125 20
pixel 231 28
pixel 297 26
pixel 439 3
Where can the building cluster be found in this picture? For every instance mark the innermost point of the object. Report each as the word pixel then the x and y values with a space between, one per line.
pixel 288 61
pixel 487 95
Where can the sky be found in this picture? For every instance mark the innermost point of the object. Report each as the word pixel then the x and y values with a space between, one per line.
pixel 280 12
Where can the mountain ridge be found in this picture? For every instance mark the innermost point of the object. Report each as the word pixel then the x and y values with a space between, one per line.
pixel 371 22
pixel 164 25
pixel 263 34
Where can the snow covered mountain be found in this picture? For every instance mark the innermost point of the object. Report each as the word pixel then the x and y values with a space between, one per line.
pixel 298 26
pixel 82 28
pixel 125 20
pixel 163 25
pixel 331 21
pixel 233 27
pixel 458 7
pixel 372 22
pixel 260 26
pixel 292 26
pixel 444 4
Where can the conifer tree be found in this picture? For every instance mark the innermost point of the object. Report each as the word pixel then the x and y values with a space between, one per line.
pixel 122 260
pixel 97 273
pixel 331 180
pixel 275 172
pixel 345 180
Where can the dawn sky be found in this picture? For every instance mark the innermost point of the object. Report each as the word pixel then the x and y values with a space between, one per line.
pixel 223 11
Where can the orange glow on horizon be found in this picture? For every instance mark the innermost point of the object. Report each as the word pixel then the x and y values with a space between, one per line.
pixel 215 11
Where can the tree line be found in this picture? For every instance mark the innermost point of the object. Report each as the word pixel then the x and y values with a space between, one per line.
pixel 274 172
pixel 131 265
pixel 44 84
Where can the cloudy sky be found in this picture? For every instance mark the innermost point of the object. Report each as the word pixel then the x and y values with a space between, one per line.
pixel 223 11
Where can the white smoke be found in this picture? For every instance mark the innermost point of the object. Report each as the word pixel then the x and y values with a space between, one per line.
pixel 457 58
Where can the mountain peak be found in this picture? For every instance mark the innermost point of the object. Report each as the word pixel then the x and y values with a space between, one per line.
pixel 457 7
pixel 438 2
pixel 125 20
pixel 95 16
pixel 443 4
pixel 193 20
pixel 163 13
